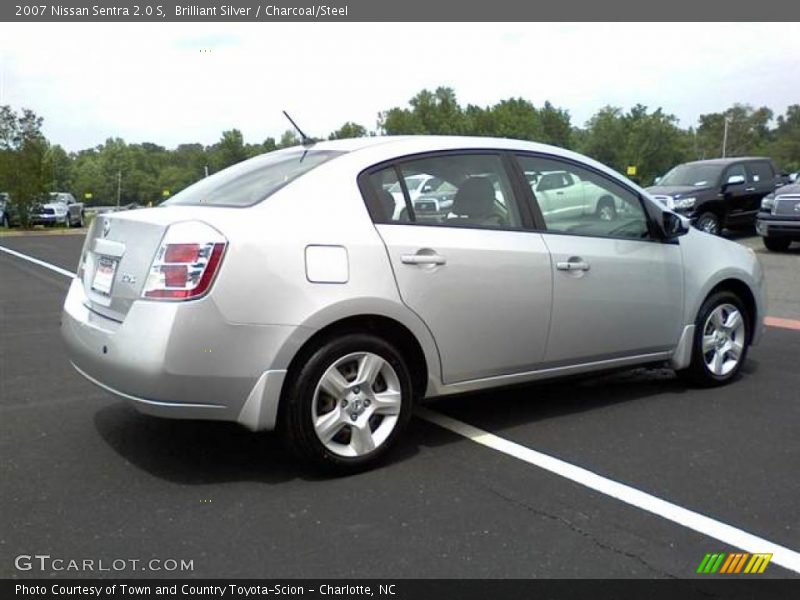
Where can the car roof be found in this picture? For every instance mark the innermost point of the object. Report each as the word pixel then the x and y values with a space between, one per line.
pixel 361 153
pixel 726 161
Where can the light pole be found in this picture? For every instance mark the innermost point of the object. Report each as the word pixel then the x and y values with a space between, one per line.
pixel 119 186
pixel 725 136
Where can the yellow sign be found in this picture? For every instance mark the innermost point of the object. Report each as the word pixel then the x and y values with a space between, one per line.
pixel 632 170
pixel 88 195
pixel 165 193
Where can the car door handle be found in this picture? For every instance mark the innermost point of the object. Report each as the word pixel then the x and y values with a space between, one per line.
pixel 573 265
pixel 423 259
pixel 750 189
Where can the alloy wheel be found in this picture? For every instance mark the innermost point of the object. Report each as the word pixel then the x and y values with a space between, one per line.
pixel 356 404
pixel 723 339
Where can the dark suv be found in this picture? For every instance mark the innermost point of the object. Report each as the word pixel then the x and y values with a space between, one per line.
pixel 778 222
pixel 718 193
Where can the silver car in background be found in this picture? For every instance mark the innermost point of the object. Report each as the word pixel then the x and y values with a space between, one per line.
pixel 288 292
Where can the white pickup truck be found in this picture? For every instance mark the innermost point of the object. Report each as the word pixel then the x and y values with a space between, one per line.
pixel 564 196
pixel 62 208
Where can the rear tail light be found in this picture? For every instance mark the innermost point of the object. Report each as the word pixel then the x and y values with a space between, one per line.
pixel 186 262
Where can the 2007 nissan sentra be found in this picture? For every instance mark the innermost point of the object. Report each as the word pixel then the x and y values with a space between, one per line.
pixel 295 292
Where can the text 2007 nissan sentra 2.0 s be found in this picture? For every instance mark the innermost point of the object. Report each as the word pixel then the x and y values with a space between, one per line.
pixel 288 292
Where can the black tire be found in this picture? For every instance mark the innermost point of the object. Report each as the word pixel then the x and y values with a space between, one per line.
pixel 67 221
pixel 606 211
pixel 777 244
pixel 698 371
pixel 709 222
pixel 82 220
pixel 296 425
pixel 6 222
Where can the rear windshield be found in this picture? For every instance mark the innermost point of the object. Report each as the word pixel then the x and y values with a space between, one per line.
pixel 253 180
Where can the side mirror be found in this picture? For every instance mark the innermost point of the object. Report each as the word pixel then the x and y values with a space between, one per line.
pixel 735 180
pixel 673 225
pixel 656 180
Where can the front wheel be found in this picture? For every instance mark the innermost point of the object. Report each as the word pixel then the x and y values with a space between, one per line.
pixel 6 222
pixel 721 339
pixel 708 222
pixel 777 244
pixel 348 404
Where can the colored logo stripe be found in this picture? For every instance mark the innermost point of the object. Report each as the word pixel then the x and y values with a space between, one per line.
pixel 734 563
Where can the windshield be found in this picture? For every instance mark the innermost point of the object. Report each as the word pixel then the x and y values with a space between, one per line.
pixel 251 181
pixel 694 175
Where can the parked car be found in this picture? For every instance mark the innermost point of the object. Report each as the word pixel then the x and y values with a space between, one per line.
pixel 778 222
pixel 718 193
pixel 284 293
pixel 564 196
pixel 61 208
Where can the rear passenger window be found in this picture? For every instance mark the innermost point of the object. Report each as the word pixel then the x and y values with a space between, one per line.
pixel 453 190
pixel 760 172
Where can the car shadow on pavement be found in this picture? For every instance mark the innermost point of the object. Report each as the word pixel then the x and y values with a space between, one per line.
pixel 202 452
pixel 529 403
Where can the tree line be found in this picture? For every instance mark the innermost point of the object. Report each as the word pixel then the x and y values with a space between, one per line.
pixel 146 173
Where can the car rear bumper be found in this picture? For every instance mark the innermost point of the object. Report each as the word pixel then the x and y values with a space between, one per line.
pixel 180 360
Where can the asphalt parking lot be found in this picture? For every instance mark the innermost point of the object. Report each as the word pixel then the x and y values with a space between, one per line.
pixel 85 476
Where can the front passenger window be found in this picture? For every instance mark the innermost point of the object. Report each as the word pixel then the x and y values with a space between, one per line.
pixel 578 201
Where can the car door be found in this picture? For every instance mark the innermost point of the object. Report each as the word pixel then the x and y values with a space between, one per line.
pixel 739 196
pixel 478 279
pixel 760 182
pixel 617 292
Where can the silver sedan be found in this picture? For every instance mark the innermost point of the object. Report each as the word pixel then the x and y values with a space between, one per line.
pixel 288 292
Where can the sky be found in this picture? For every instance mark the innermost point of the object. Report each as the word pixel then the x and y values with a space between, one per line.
pixel 172 83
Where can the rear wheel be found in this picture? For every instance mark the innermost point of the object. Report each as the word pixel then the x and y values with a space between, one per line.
pixel 777 244
pixel 708 222
pixel 721 339
pixel 348 404
pixel 82 220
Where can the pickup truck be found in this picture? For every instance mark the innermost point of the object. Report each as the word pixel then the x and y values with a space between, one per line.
pixel 61 208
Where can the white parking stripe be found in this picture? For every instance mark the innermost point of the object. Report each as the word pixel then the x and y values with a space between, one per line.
pixel 718 530
pixel 36 261
pixel 706 525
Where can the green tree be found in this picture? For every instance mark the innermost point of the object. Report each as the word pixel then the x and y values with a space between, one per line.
pixel 605 137
pixel 785 145
pixel 23 149
pixel 289 139
pixel 748 131
pixel 348 130
pixel 228 151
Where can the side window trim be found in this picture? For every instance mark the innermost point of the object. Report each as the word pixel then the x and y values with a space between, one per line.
pixel 541 225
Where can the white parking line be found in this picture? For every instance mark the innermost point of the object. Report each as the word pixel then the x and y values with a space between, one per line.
pixel 36 261
pixel 629 495
pixel 718 530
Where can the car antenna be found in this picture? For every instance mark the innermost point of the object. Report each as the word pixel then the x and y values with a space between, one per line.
pixel 306 141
